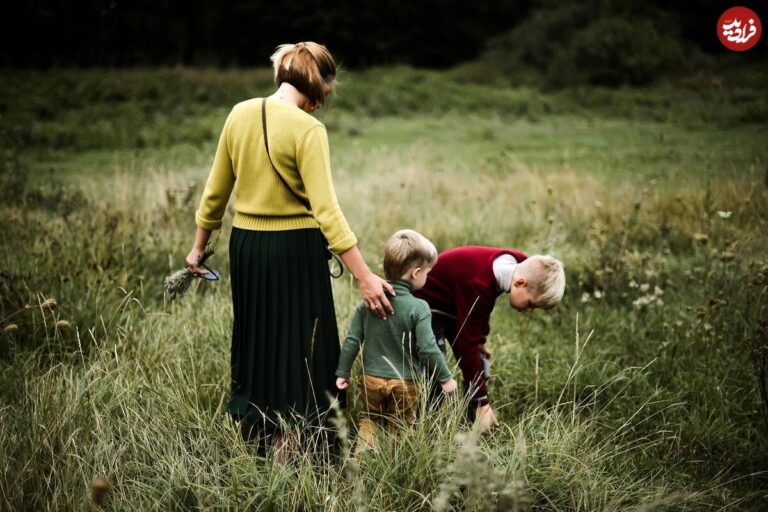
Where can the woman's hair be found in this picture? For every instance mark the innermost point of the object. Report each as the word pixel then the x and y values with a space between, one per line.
pixel 405 250
pixel 307 66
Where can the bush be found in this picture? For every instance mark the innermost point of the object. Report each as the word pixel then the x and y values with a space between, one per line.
pixel 615 51
pixel 584 43
pixel 537 41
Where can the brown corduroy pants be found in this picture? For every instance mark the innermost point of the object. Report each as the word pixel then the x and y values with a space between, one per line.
pixel 385 400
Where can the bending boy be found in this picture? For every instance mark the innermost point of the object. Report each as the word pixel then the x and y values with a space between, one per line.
pixel 462 289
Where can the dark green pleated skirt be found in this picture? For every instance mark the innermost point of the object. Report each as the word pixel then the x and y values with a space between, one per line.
pixel 285 343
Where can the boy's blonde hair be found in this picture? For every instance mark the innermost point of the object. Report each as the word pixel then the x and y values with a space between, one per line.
pixel 307 66
pixel 546 277
pixel 405 250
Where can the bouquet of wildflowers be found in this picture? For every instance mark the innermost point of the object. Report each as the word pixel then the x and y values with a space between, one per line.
pixel 177 283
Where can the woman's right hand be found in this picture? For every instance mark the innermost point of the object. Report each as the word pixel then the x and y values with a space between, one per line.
pixel 193 261
pixel 195 256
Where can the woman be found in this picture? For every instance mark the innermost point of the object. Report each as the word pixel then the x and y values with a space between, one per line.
pixel 285 344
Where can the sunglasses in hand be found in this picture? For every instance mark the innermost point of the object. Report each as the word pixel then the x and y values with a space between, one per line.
pixel 211 275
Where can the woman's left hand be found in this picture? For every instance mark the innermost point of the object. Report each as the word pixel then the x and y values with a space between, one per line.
pixel 372 289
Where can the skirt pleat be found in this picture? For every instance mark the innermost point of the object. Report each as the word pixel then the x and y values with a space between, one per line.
pixel 285 343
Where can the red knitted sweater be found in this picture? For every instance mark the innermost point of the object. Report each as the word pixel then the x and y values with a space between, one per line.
pixel 463 284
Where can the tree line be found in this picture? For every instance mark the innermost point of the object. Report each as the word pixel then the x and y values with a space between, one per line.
pixel 427 33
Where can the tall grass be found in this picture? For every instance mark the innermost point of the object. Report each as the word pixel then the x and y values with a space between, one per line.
pixel 641 391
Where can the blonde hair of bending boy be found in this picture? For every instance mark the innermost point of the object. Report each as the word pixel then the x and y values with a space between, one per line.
pixel 546 279
pixel 308 66
pixel 405 250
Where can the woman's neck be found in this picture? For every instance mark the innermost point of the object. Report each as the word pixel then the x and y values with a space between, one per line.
pixel 289 95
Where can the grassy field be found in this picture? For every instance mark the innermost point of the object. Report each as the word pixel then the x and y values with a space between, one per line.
pixel 644 390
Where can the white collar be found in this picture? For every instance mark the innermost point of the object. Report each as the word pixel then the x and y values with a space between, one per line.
pixel 503 269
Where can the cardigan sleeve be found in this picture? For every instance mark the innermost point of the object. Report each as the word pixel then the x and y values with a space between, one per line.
pixel 314 164
pixel 219 186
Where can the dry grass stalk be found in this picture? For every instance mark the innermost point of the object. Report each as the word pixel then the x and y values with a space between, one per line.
pixel 177 283
pixel 472 482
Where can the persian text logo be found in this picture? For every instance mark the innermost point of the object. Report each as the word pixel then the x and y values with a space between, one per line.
pixel 739 29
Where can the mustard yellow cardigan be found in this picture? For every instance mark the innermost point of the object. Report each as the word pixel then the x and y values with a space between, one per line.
pixel 298 144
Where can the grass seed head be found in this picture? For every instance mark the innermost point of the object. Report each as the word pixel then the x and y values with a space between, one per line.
pixel 49 304
pixel 178 283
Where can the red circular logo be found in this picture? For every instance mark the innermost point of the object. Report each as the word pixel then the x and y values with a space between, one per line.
pixel 739 29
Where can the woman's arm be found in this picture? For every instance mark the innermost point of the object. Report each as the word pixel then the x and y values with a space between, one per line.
pixel 314 164
pixel 219 185
pixel 196 254
pixel 371 286
pixel 315 167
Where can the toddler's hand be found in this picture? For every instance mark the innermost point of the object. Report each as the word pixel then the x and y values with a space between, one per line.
pixel 449 386
pixel 342 383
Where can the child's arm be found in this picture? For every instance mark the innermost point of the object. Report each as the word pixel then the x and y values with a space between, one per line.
pixel 427 348
pixel 473 327
pixel 350 348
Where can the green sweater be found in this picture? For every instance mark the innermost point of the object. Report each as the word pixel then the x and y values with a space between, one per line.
pixel 394 348
pixel 298 144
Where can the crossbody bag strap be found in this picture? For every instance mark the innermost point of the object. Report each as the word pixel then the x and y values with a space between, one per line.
pixel 306 204
pixel 266 146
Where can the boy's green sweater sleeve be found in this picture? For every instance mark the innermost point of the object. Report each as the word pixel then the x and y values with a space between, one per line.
pixel 426 344
pixel 352 343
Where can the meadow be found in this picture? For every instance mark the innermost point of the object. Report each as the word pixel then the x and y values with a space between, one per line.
pixel 646 389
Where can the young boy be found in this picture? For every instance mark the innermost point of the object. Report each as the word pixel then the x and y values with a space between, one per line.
pixel 462 289
pixel 395 349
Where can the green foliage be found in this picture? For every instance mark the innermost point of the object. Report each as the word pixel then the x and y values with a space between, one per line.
pixel 13 174
pixel 616 51
pixel 641 391
pixel 567 44
pixel 84 110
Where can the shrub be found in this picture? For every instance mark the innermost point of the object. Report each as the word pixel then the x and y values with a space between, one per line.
pixel 615 51
pixel 584 42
